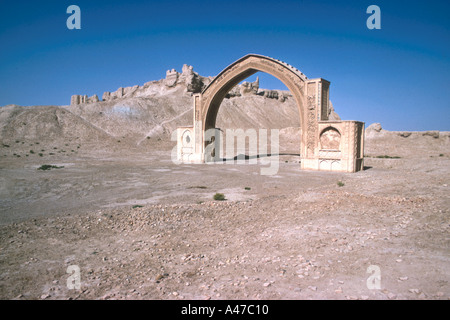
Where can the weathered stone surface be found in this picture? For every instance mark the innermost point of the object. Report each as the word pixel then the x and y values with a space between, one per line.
pixel 374 127
pixel 235 92
pixel 106 96
pixel 190 79
pixel 272 94
pixel 118 93
pixel 171 78
pixel 92 99
pixel 130 90
pixel 74 100
pixel 78 99
pixel 249 87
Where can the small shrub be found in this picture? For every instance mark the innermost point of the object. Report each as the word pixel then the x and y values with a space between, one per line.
pixel 48 167
pixel 247 188
pixel 219 197
pixel 340 184
pixel 5 145
pixel 41 154
pixel 31 151
pixel 441 155
pixel 137 206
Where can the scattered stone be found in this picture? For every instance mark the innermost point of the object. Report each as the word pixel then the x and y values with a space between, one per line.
pixel 391 295
pixel 45 296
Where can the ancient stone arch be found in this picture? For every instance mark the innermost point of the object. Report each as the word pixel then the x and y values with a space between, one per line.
pixel 312 98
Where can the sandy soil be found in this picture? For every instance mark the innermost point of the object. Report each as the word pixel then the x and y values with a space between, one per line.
pixel 293 235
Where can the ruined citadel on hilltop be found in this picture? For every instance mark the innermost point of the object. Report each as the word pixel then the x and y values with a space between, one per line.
pixel 192 81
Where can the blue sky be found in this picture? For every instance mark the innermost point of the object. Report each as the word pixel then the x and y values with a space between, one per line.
pixel 396 76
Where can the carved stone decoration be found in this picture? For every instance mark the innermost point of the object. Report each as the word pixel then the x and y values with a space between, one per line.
pixel 330 139
pixel 312 123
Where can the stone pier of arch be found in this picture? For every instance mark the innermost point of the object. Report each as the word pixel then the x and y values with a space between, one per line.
pixel 325 145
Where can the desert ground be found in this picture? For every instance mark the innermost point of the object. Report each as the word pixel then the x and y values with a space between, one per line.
pixel 140 226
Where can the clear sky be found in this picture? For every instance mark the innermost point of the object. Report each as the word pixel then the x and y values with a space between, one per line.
pixel 397 75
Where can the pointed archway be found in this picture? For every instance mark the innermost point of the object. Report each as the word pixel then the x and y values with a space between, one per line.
pixel 312 99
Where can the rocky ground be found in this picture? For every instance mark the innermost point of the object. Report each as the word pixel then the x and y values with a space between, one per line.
pixel 136 225
pixel 141 227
